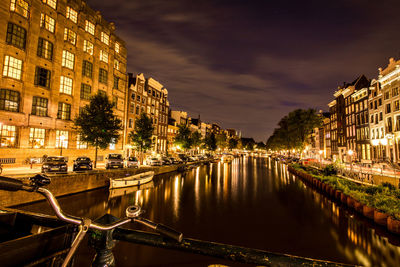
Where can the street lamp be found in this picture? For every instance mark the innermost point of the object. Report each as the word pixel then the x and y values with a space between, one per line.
pixel 350 153
pixel 320 155
pixel 62 138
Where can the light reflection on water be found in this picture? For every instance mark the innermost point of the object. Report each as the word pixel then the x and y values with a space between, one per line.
pixel 251 202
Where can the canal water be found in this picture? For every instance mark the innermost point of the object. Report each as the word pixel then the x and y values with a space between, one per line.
pixel 252 202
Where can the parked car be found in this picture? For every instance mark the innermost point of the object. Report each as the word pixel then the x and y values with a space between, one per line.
pixel 183 157
pixel 132 162
pixel 82 163
pixel 153 162
pixel 114 161
pixel 175 160
pixel 55 164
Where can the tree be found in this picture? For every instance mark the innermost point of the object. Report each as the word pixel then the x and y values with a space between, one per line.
pixel 140 137
pixel 97 125
pixel 196 139
pixel 210 142
pixel 183 137
pixel 260 145
pixel 221 141
pixel 232 143
pixel 248 143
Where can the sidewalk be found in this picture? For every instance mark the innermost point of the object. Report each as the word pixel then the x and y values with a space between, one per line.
pixel 36 168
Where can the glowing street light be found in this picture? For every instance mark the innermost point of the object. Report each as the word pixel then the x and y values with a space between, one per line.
pixel 350 153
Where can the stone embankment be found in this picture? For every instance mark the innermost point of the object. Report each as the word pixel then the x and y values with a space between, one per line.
pixel 76 182
pixel 381 218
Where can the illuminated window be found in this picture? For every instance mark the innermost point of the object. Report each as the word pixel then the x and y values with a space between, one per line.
pixel 16 35
pixel 88 47
pixel 89 27
pixel 117 48
pixel 103 76
pixel 64 111
pixel 20 6
pixel 12 67
pixel 105 38
pixel 42 77
pixel 116 64
pixel 69 36
pixel 86 90
pixel 103 56
pixel 72 14
pixel 47 22
pixel 45 49
pixel 65 85
pixel 37 137
pixel 8 136
pixel 80 144
pixel 51 3
pixel 39 106
pixel 87 69
pixel 9 100
pixel 68 59
pixel 61 139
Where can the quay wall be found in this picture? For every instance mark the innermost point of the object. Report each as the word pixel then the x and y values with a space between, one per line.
pixel 71 183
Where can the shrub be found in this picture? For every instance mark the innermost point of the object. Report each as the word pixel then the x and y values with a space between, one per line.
pixel 330 169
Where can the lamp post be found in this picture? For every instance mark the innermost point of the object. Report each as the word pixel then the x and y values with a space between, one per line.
pixel 62 138
pixel 350 153
pixel 320 156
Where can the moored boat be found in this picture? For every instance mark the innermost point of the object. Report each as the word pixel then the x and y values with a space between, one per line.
pixel 133 180
pixel 117 192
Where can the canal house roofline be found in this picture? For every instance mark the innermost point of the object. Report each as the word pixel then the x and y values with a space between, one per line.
pixel 332 103
pixel 390 73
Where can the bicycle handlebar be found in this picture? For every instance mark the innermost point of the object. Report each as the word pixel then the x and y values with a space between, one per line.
pixel 132 212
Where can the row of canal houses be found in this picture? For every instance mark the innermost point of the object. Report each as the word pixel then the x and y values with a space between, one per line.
pixel 363 123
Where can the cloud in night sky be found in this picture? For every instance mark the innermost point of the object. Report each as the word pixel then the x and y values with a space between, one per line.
pixel 245 64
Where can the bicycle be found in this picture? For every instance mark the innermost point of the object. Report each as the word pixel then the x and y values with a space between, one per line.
pixel 132 214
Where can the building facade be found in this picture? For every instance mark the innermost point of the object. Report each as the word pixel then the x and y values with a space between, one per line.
pixel 55 55
pixel 148 96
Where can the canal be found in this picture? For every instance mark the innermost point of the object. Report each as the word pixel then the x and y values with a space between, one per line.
pixel 252 202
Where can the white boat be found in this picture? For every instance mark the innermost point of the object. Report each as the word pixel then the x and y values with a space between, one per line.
pixel 123 191
pixel 133 180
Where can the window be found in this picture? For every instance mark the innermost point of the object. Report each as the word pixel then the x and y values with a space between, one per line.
pixel 395 91
pixel 39 106
pixel 79 143
pixel 89 27
pixel 64 111
pixel 389 125
pixel 61 139
pixel 72 14
pixel 388 110
pixel 380 116
pixel 85 91
pixel 88 47
pixel 396 105
pixel 87 69
pixel 20 6
pixel 105 38
pixel 115 101
pixel 9 100
pixel 65 85
pixel 130 123
pixel 380 102
pixel 8 136
pixel 42 77
pixel 132 107
pixel 116 48
pixel 45 49
pixel 69 36
pixel 102 92
pixel 103 56
pixel 387 95
pixel 12 67
pixel 16 35
pixel 137 110
pixel 116 82
pixel 103 75
pixel 68 59
pixel 51 3
pixel 47 22
pixel 37 137
pixel 116 64
pixel 138 98
pixel 398 123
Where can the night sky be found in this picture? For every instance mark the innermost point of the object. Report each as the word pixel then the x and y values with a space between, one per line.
pixel 245 64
